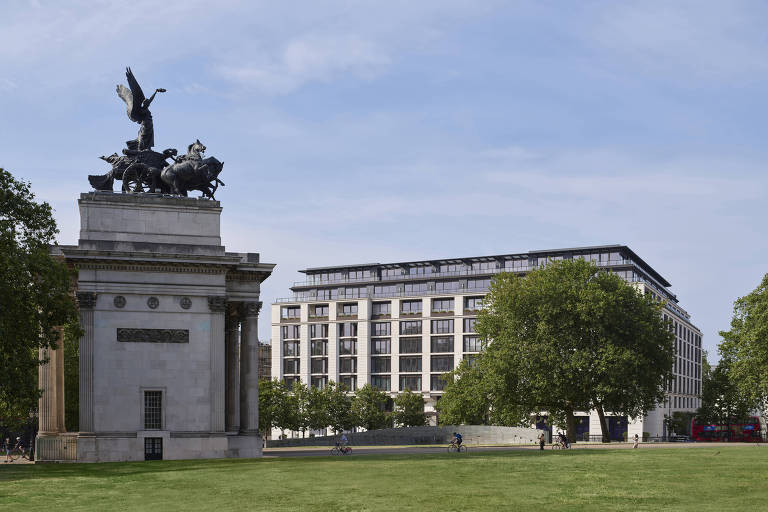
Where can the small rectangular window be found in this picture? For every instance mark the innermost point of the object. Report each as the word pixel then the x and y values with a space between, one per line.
pixel 318 310
pixel 441 364
pixel 349 309
pixel 382 308
pixel 290 366
pixel 380 346
pixel 410 327
pixel 469 324
pixel 410 364
pixel 319 382
pixel 382 329
pixel 410 307
pixel 319 347
pixel 381 365
pixel 442 344
pixel 412 382
pixel 153 448
pixel 410 345
pixel 348 329
pixel 317 330
pixel 290 312
pixel 442 305
pixel 442 326
pixel 438 382
pixel 347 365
pixel 381 382
pixel 153 410
pixel 319 365
pixel 472 344
pixel 473 303
pixel 291 349
pixel 349 382
pixel 347 347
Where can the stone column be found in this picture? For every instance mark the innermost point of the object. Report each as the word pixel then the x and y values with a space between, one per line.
pixel 232 373
pixel 86 301
pixel 51 381
pixel 218 306
pixel 249 369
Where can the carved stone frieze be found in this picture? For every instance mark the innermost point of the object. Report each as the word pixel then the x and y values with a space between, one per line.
pixel 125 335
pixel 185 303
pixel 153 302
pixel 86 300
pixel 217 303
pixel 119 301
pixel 251 308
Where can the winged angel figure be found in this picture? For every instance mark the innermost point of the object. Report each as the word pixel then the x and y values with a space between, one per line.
pixel 137 107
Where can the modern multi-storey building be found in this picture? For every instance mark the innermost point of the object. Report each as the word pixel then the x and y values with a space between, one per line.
pixel 402 325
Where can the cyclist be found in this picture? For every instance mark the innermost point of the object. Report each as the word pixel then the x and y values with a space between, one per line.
pixel 564 440
pixel 20 446
pixel 457 439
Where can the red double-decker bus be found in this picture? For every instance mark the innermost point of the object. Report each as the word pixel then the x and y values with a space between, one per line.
pixel 738 431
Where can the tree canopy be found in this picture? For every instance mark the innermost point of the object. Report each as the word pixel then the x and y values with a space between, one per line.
pixel 745 345
pixel 409 409
pixel 35 299
pixel 368 406
pixel 563 338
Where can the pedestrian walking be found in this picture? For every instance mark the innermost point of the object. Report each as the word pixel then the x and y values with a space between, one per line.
pixel 636 441
pixel 541 441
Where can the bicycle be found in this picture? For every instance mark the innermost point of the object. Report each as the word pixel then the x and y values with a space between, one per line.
pixel 454 447
pixel 338 450
pixel 559 444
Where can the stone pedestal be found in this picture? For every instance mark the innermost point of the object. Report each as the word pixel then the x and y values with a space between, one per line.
pixel 157 361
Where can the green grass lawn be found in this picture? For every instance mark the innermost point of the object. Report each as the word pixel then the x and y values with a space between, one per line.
pixel 645 479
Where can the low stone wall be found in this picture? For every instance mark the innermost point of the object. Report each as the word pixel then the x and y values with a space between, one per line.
pixel 472 434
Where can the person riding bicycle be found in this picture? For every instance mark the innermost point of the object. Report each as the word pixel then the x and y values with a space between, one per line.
pixel 342 443
pixel 564 440
pixel 457 439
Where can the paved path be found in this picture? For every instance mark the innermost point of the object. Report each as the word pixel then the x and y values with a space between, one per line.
pixel 321 451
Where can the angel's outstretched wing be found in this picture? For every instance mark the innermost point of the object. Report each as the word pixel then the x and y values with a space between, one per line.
pixel 132 97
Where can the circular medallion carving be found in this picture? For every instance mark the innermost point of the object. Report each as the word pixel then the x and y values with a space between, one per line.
pixel 119 301
pixel 186 302
pixel 153 302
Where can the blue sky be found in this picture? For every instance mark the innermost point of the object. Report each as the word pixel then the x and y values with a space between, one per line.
pixel 387 131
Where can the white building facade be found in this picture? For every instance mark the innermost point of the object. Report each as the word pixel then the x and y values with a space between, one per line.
pixel 401 326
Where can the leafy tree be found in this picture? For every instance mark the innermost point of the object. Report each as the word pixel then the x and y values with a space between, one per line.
pixel 317 409
pixel 409 409
pixel 571 337
pixel 368 406
pixel 679 422
pixel 339 407
pixel 745 345
pixel 465 399
pixel 271 396
pixel 722 402
pixel 35 295
pixel 286 409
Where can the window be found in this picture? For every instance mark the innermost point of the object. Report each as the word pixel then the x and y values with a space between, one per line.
pixel 153 410
pixel 290 312
pixel 447 286
pixel 316 310
pixel 442 344
pixel 319 347
pixel 442 326
pixel 290 366
pixel 347 347
pixel 438 382
pixel 471 359
pixel 347 365
pixel 441 364
pixel 319 382
pixel 478 284
pixel 410 345
pixel 380 346
pixel 348 329
pixel 289 332
pixel 348 309
pixel 420 270
pixel 410 327
pixel 415 288
pixel 355 292
pixel 349 382
pixel 442 305
pixel 319 365
pixel 391 272
pixel 318 330
pixel 410 307
pixel 381 365
pixel 326 294
pixel 381 382
pixel 469 324
pixel 410 364
pixel 473 303
pixel 153 448
pixel 382 308
pixel 382 329
pixel 291 349
pixel 384 291
pixel 472 344
pixel 412 382
pixel 290 381
pixel 452 267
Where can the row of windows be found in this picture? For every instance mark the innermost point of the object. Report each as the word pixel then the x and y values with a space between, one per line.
pixel 408 345
pixel 292 366
pixel 443 305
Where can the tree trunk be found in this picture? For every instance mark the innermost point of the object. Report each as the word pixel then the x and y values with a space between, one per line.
pixel 603 423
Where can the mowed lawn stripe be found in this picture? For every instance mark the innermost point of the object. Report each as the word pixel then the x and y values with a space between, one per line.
pixel 659 479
